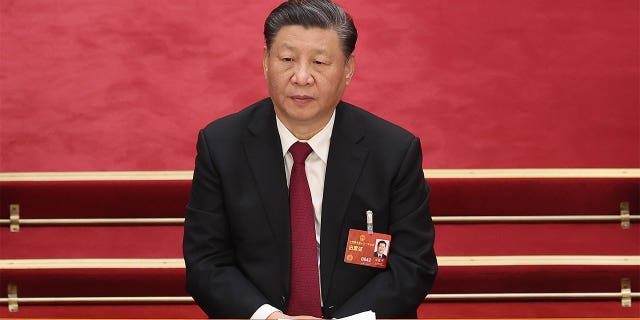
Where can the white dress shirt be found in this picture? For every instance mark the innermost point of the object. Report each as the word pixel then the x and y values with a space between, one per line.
pixel 315 168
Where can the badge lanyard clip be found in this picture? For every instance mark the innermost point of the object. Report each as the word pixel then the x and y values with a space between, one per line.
pixel 370 222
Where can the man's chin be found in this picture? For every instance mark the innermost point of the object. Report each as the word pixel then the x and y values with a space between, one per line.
pixel 302 116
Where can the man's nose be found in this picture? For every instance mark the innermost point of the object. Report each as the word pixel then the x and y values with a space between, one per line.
pixel 302 75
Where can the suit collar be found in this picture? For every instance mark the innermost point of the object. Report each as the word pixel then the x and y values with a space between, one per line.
pixel 346 159
pixel 262 145
pixel 263 149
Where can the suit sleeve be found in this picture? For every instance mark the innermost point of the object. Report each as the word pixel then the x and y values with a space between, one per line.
pixel 412 265
pixel 213 279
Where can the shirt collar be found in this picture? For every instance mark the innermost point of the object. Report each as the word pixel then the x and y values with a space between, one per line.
pixel 319 142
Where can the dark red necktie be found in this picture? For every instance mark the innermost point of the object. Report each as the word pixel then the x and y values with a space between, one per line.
pixel 305 286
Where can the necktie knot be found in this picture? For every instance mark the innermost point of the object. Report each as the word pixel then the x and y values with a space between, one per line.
pixel 300 151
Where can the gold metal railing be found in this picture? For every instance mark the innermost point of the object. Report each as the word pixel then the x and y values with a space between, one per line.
pixel 438 219
pixel 181 175
pixel 443 261
pixel 435 297
pixel 97 221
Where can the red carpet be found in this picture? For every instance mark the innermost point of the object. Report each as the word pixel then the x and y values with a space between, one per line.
pixel 125 85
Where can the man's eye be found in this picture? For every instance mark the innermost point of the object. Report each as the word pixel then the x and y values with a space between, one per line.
pixel 318 62
pixel 287 59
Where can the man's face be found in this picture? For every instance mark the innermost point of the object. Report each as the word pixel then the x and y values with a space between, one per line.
pixel 306 74
pixel 381 247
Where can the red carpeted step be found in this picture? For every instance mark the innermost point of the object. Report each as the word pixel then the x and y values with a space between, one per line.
pixel 128 311
pixel 96 199
pixel 62 242
pixel 534 279
pixel 450 280
pixel 95 282
pixel 164 199
pixel 532 196
pixel 451 240
pixel 537 239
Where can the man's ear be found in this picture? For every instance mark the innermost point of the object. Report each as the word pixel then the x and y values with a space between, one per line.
pixel 351 68
pixel 265 56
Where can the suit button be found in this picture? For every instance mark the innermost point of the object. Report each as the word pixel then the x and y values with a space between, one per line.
pixel 283 302
pixel 329 311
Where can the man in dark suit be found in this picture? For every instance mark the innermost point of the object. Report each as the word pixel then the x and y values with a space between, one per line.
pixel 241 240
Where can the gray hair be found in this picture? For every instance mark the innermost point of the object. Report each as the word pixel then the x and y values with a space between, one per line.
pixel 323 14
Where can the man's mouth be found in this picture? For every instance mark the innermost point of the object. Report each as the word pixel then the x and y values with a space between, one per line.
pixel 301 98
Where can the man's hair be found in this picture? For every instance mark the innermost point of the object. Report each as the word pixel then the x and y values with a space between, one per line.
pixel 322 14
pixel 382 242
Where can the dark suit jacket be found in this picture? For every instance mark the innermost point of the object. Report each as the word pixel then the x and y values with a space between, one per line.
pixel 237 234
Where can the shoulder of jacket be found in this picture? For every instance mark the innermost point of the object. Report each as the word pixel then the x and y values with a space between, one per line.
pixel 236 122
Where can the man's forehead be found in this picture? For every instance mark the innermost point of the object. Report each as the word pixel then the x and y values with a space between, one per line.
pixel 303 27
pixel 290 34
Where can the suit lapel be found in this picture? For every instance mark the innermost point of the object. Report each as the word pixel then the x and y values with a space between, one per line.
pixel 346 158
pixel 264 155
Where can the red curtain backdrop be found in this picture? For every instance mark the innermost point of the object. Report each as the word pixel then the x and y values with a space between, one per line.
pixel 126 84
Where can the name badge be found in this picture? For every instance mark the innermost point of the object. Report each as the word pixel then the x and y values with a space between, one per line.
pixel 368 249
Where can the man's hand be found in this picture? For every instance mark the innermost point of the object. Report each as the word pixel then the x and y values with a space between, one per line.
pixel 279 315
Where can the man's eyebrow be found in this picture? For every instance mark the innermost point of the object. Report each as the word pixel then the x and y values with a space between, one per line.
pixel 286 46
pixel 321 52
